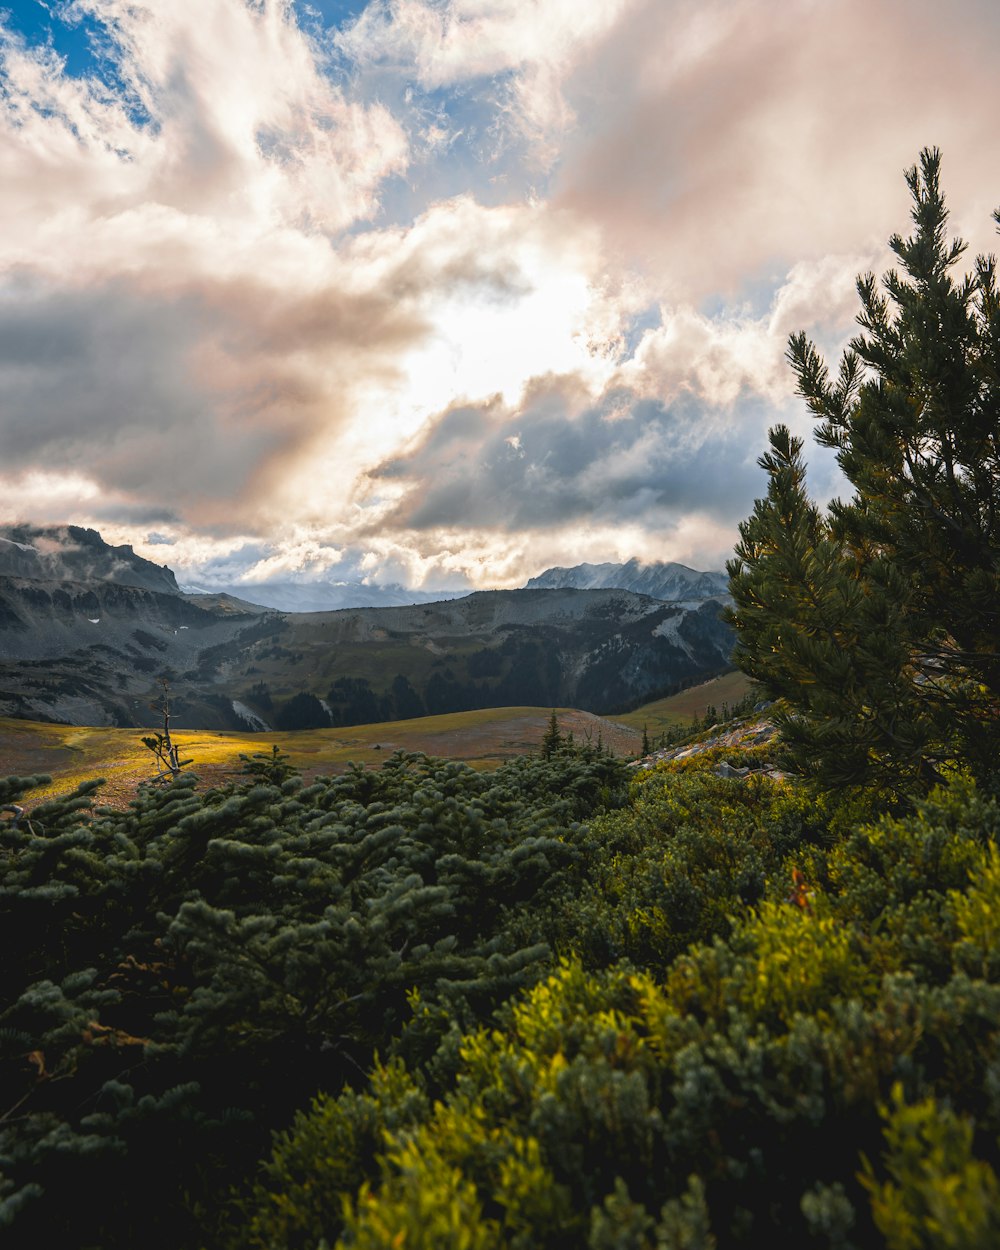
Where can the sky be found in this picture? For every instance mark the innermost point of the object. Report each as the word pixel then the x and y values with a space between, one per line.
pixel 446 292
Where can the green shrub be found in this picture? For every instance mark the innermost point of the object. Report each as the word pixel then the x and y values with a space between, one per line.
pixel 183 976
pixel 728 1095
pixel 938 1196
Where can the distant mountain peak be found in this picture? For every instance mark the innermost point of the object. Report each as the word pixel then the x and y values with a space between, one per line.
pixel 71 553
pixel 659 579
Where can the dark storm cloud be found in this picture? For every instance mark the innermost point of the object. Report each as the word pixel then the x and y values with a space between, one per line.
pixel 102 381
pixel 183 402
pixel 623 459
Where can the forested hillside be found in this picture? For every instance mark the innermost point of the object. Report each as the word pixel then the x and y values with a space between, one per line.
pixel 562 1005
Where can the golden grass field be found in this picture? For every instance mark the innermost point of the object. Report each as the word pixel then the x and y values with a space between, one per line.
pixel 70 754
pixel 483 739
pixel 681 709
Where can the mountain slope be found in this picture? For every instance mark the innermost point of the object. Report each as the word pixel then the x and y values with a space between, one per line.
pixel 71 553
pixel 600 650
pixel 90 633
pixel 96 652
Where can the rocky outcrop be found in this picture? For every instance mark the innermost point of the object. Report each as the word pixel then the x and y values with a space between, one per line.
pixel 736 736
pixel 72 553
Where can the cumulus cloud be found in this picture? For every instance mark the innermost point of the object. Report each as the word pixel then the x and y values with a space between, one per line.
pixel 741 138
pixel 552 463
pixel 221 113
pixel 172 308
pixel 460 287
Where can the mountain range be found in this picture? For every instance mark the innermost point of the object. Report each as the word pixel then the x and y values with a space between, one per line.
pixel 320 596
pixel 90 632
pixel 657 579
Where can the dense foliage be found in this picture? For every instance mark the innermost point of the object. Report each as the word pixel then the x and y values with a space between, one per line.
pixel 819 1069
pixel 877 621
pixel 180 977
pixel 718 1013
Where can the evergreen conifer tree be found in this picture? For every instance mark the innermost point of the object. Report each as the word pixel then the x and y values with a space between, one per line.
pixel 877 622
pixel 552 738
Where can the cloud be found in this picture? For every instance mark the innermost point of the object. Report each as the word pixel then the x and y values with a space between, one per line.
pixel 223 112
pixel 551 462
pixel 740 138
pixel 174 320
pixel 462 287
pixel 468 39
pixel 518 52
pixel 188 402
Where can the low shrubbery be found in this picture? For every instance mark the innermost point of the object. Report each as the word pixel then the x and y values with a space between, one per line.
pixel 718 1013
pixel 180 977
pixel 823 1071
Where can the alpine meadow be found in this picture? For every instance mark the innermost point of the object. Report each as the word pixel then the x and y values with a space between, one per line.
pixel 725 996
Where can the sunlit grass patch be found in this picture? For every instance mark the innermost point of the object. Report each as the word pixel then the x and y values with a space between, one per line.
pixel 682 708
pixel 484 738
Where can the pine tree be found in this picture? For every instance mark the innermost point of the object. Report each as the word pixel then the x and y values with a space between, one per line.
pixel 877 622
pixel 552 738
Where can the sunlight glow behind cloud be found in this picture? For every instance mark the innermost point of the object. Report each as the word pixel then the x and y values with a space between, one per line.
pixel 444 292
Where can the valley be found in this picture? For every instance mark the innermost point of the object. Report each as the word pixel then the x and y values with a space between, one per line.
pixel 93 635
pixel 71 754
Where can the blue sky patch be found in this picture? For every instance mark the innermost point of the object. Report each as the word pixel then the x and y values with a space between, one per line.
pixel 43 24
pixel 329 12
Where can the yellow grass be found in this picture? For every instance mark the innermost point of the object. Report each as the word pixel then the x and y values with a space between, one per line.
pixel 681 709
pixel 71 754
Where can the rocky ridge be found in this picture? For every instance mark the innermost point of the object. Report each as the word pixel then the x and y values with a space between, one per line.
pixel 70 553
pixel 741 735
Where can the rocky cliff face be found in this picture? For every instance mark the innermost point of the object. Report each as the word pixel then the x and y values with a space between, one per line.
pixel 71 553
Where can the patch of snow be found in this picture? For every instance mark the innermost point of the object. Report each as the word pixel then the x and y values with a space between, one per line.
pixel 23 546
pixel 668 629
pixel 94 620
pixel 248 715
